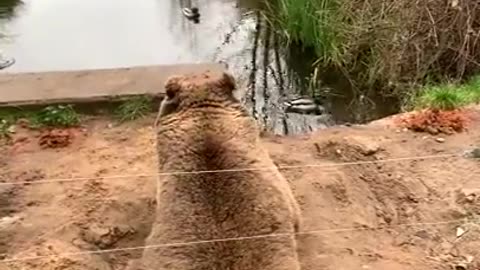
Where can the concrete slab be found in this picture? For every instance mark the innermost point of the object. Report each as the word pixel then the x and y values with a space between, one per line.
pixel 90 85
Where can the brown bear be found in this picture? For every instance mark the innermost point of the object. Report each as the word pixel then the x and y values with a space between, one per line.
pixel 218 191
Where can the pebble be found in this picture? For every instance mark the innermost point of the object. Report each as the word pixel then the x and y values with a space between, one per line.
pixel 474 153
pixel 460 232
pixel 440 140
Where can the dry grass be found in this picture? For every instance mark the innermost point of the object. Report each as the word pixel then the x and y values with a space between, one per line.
pixel 390 46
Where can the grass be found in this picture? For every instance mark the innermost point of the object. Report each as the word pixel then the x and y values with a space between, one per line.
pixel 473 88
pixel 310 23
pixel 382 46
pixel 64 116
pixel 134 108
pixel 448 96
pixel 51 116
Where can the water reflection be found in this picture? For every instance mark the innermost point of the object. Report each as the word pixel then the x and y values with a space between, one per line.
pixel 86 34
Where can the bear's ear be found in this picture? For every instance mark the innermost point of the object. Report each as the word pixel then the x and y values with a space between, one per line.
pixel 227 82
pixel 172 86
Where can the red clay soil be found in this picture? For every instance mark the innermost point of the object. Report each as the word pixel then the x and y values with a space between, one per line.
pixel 56 138
pixel 363 214
pixel 436 121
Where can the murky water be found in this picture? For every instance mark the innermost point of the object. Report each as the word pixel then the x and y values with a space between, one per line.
pixel 48 35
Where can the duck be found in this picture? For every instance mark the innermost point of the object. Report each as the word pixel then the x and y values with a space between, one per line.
pixel 191 13
pixel 6 62
pixel 303 105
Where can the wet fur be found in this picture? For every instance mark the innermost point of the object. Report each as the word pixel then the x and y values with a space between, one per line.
pixel 202 127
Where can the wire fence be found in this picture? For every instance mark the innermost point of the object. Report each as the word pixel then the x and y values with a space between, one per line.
pixel 217 240
pixel 280 167
pixel 19 258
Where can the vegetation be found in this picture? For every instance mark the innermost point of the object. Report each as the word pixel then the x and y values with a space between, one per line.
pixel 448 96
pixel 64 116
pixel 134 108
pixel 4 128
pixel 311 23
pixel 56 116
pixel 391 47
pixel 51 116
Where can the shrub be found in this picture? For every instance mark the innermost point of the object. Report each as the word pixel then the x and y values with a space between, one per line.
pixel 390 46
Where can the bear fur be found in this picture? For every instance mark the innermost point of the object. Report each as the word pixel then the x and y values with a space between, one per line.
pixel 202 128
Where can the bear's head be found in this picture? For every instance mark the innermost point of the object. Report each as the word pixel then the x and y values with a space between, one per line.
pixel 193 91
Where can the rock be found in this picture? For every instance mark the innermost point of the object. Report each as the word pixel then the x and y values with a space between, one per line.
pixel 366 146
pixel 423 234
pixel 24 123
pixel 461 266
pixel 469 258
pixel 431 130
pixel 474 153
pixel 467 195
pixel 460 232
pixel 8 221
pixel 12 129
pixel 440 140
pixel 105 237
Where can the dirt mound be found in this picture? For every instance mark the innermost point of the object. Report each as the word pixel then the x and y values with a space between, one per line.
pixel 55 138
pixel 361 195
pixel 436 121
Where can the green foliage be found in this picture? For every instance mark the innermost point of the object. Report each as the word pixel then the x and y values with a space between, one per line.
pixel 8 116
pixel 473 88
pixel 448 96
pixel 56 116
pixel 382 45
pixel 310 23
pixel 51 116
pixel 4 128
pixel 444 97
pixel 134 108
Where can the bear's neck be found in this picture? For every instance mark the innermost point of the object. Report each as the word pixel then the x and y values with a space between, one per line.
pixel 213 143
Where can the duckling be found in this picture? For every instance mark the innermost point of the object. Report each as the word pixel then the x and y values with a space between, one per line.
pixel 191 13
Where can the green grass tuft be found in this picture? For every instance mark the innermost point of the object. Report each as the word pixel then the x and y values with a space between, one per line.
pixel 448 96
pixel 310 23
pixel 134 108
pixel 473 87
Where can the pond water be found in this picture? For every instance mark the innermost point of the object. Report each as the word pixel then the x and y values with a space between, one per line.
pixel 50 35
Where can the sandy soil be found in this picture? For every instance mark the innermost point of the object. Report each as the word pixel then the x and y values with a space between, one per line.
pixel 362 214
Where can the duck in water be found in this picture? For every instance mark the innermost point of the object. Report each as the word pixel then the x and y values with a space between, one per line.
pixel 191 13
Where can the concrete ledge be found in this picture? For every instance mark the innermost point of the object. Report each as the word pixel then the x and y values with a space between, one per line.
pixel 85 86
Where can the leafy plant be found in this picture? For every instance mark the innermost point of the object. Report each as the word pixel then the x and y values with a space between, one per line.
pixel 4 128
pixel 134 108
pixel 56 115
